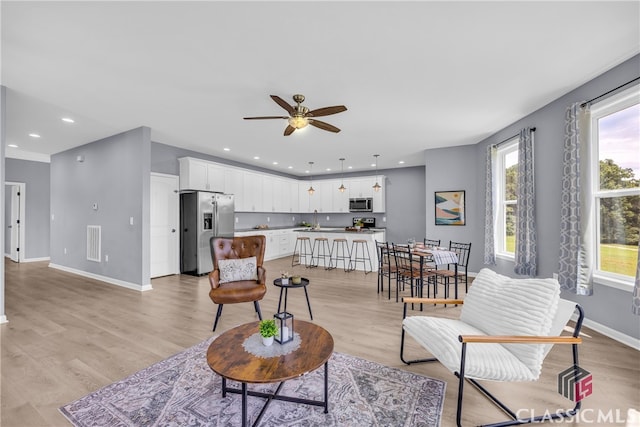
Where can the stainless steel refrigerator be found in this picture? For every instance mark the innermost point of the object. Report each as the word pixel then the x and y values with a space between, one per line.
pixel 202 216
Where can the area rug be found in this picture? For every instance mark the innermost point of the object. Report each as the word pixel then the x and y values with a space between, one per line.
pixel 183 391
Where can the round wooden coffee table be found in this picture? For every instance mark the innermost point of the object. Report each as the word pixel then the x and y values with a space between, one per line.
pixel 227 358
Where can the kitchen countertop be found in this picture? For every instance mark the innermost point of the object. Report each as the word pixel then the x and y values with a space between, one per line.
pixel 340 230
pixel 308 229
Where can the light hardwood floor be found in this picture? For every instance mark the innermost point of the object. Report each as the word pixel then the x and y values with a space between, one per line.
pixel 68 336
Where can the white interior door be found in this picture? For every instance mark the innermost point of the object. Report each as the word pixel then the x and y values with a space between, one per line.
pixel 165 239
pixel 14 220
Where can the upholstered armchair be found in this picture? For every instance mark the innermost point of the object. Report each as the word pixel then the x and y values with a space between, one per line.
pixel 238 275
pixel 505 330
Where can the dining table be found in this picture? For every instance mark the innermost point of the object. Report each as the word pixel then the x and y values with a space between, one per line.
pixel 437 256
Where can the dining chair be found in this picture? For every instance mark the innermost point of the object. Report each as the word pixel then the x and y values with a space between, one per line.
pixel 463 250
pixel 431 242
pixel 386 269
pixel 407 270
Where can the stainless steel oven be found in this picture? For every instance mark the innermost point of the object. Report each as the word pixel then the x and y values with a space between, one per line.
pixel 361 205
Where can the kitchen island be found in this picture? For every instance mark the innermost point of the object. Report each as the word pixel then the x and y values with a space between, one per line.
pixel 370 235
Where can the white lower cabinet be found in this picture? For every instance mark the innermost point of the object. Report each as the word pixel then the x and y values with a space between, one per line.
pixel 279 243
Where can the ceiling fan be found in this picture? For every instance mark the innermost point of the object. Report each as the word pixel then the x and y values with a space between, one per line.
pixel 300 116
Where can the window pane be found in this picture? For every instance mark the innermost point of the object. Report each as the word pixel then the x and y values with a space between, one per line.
pixel 511 181
pixel 619 148
pixel 510 228
pixel 619 233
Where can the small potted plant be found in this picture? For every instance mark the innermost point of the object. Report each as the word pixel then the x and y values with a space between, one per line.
pixel 268 330
pixel 284 277
pixel 359 224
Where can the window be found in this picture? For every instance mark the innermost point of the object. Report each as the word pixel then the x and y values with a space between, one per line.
pixel 507 202
pixel 615 178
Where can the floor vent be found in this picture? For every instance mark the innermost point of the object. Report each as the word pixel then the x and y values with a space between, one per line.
pixel 94 234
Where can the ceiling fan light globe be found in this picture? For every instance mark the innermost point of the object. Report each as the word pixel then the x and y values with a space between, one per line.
pixel 298 122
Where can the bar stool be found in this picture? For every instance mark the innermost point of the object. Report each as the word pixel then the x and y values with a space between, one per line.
pixel 363 246
pixel 340 252
pixel 321 250
pixel 302 250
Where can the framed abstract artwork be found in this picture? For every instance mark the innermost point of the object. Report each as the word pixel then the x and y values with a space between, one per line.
pixel 450 208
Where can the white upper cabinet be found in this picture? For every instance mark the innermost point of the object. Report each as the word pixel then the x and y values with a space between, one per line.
pixel 262 192
pixel 201 175
pixel 252 192
pixel 233 184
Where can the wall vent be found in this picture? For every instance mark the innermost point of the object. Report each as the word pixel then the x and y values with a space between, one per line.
pixel 94 236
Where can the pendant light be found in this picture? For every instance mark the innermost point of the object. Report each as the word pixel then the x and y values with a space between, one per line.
pixel 311 190
pixel 342 187
pixel 376 186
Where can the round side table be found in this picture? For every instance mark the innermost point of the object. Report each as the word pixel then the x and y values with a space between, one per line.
pixel 285 288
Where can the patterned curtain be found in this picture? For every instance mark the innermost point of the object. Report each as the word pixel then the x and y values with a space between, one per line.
pixel 526 241
pixel 574 273
pixel 489 208
pixel 636 287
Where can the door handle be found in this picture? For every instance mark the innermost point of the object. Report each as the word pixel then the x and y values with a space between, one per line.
pixel 173 230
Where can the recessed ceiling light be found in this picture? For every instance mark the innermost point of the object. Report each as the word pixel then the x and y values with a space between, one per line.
pixel 256 157
pixel 12 146
pixel 373 164
pixel 34 135
pixel 275 163
pixel 349 167
pixel 401 162
pixel 328 169
pixel 227 149
pixel 68 120
pixel 289 167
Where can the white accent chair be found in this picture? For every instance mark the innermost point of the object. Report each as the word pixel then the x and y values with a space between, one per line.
pixel 506 328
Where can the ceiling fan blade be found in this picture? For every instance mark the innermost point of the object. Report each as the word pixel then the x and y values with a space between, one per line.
pixel 289 130
pixel 266 117
pixel 284 104
pixel 327 111
pixel 323 125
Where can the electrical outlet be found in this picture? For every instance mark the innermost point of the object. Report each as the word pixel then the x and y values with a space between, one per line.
pixel 555 276
pixel 130 220
pixel 327 217
pixel 65 251
pixel 268 219
pixel 106 258
pixel 384 219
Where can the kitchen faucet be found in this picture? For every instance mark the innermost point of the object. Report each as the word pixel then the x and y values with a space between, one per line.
pixel 316 224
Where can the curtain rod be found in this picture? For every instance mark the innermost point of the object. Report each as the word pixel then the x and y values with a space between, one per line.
pixel 533 129
pixel 607 93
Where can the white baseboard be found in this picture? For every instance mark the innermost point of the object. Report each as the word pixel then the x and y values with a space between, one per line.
pixel 3 319
pixel 46 258
pixel 611 333
pixel 106 279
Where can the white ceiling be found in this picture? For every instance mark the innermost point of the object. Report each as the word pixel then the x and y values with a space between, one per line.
pixel 413 75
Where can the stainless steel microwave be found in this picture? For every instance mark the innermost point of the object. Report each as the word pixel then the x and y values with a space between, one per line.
pixel 361 205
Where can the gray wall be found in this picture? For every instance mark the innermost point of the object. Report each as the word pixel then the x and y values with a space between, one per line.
pixel 453 169
pixel 115 175
pixel 608 306
pixel 35 175
pixel 3 96
pixel 404 196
